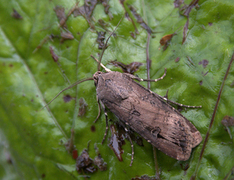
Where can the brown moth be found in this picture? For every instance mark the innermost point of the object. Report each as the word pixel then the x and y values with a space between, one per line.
pixel 147 114
pixel 143 111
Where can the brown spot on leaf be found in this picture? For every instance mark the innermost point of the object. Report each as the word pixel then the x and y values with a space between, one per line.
pixel 75 154
pixel 177 59
pixel 85 163
pixel 228 121
pixel 66 36
pixel 204 63
pixel 106 5
pixel 86 11
pixel 165 40
pixel 16 15
pixel 101 39
pixel 54 56
pixel 200 82
pixel 100 163
pixel 177 3
pixel 60 13
pixel 93 128
pixel 67 98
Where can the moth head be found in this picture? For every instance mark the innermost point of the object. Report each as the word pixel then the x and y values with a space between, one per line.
pixel 96 77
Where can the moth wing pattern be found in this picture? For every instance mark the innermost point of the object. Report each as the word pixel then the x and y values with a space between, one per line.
pixel 146 114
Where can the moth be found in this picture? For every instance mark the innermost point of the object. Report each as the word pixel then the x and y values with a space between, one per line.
pixel 147 114
pixel 144 112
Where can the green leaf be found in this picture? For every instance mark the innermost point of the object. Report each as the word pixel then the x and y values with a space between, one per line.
pixel 32 141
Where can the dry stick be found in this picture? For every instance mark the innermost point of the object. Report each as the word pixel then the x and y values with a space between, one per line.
pixel 105 46
pixel 157 176
pixel 212 119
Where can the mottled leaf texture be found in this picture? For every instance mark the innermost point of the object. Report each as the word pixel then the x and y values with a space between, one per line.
pixel 32 142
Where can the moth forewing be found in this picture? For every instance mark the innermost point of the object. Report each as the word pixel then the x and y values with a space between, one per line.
pixel 147 114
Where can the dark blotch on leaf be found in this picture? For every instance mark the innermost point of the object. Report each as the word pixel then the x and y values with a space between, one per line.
pixel 93 128
pixel 54 56
pixel 100 39
pixel 200 82
pixel 100 163
pixel 75 154
pixel 210 23
pixel 60 13
pixel 165 40
pixel 67 98
pixel 85 163
pixel 16 15
pixel 177 59
pixel 228 121
pixel 106 5
pixel 177 3
pixel 66 36
pixel 86 11
pixel 204 63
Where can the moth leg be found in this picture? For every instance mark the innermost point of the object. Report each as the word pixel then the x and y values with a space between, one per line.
pixel 178 104
pixel 148 80
pixel 107 127
pixel 99 110
pixel 130 140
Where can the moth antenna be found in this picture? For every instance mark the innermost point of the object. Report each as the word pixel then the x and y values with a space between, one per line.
pixel 105 45
pixel 74 84
pixel 106 69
